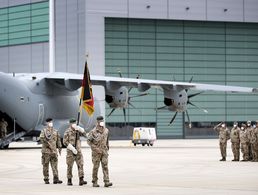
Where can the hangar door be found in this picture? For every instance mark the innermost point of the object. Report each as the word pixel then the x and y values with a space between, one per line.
pixel 211 52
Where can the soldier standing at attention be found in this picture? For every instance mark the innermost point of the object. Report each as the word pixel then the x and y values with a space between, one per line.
pixel 73 143
pixel 249 131
pixel 3 128
pixel 99 143
pixel 235 141
pixel 224 135
pixel 254 142
pixel 51 142
pixel 244 143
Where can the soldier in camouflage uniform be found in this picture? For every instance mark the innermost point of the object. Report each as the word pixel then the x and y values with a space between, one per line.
pixel 99 143
pixel 254 142
pixel 224 135
pixel 73 143
pixel 244 143
pixel 51 142
pixel 3 128
pixel 249 130
pixel 235 141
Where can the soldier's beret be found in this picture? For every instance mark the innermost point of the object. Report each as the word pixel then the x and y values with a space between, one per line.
pixel 72 120
pixel 243 125
pixel 100 118
pixel 49 119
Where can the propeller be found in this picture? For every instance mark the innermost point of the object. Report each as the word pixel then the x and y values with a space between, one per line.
pixel 191 79
pixel 188 119
pixel 172 120
pixel 204 110
pixel 188 102
pixel 111 112
pixel 124 114
pixel 161 108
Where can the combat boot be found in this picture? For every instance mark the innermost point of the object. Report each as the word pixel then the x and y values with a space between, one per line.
pixel 82 182
pixel 95 184
pixel 57 181
pixel 46 181
pixel 108 184
pixel 223 159
pixel 69 182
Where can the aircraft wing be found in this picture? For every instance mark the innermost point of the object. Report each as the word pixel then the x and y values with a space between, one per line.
pixel 73 82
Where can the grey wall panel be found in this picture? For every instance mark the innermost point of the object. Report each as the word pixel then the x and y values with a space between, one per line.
pixel 46 57
pixel 94 43
pixel 148 9
pixel 81 36
pixel 61 35
pixel 37 62
pixel 20 58
pixel 72 36
pixel 225 10
pixel 17 2
pixel 3 3
pixel 114 6
pixel 4 61
pixel 251 10
pixel 187 9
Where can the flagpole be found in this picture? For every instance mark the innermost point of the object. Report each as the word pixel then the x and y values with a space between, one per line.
pixel 80 110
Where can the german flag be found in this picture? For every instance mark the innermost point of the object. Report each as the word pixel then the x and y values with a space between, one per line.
pixel 86 93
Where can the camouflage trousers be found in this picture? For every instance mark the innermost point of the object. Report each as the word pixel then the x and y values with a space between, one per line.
pixel 2 133
pixel 223 149
pixel 255 147
pixel 250 151
pixel 235 146
pixel 96 159
pixel 53 160
pixel 245 150
pixel 78 158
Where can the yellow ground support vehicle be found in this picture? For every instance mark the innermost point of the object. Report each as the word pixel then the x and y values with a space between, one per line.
pixel 144 136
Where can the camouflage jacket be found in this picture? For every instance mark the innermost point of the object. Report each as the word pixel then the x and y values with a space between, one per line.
pixel 243 137
pixel 224 134
pixel 98 139
pixel 235 135
pixel 249 131
pixel 51 141
pixel 69 138
pixel 3 126
pixel 254 136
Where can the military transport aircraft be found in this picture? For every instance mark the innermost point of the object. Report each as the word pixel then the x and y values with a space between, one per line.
pixel 28 99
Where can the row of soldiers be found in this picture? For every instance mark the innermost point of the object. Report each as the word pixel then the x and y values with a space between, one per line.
pixel 244 137
pixel 97 140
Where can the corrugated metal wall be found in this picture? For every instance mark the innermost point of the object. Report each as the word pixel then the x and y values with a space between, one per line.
pixel 212 52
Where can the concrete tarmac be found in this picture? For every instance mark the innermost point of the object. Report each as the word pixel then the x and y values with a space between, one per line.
pixel 169 167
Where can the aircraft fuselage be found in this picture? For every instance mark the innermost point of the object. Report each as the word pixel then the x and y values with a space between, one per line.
pixel 30 100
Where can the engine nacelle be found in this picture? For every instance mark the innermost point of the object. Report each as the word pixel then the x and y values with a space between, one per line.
pixel 117 98
pixel 176 100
